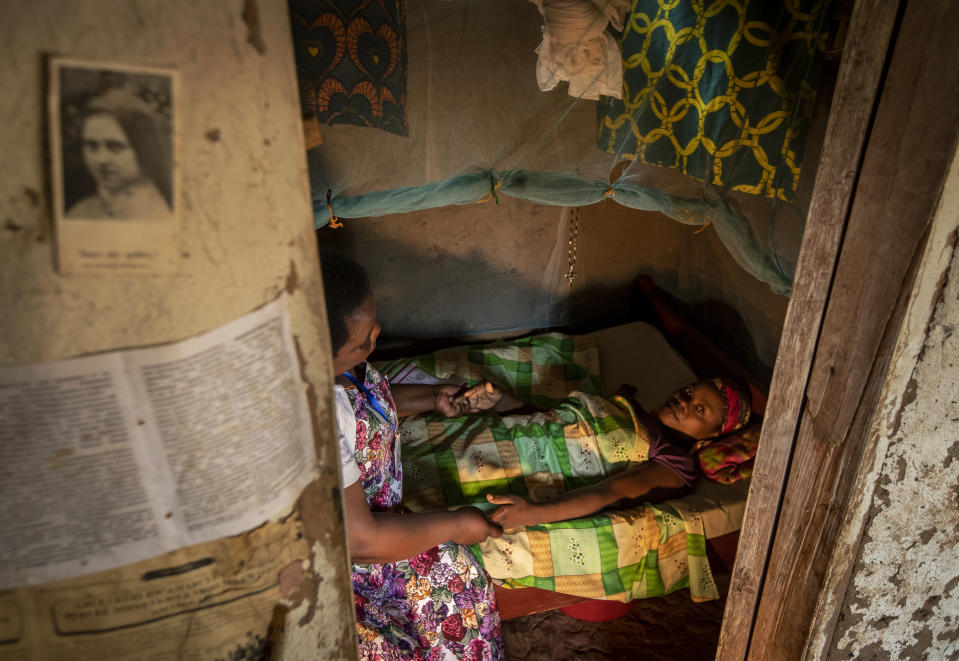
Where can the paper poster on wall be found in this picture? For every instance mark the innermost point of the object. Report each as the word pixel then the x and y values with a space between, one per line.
pixel 113 141
pixel 110 459
pixel 211 601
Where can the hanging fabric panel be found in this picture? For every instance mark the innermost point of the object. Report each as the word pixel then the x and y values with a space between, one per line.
pixel 721 91
pixel 351 62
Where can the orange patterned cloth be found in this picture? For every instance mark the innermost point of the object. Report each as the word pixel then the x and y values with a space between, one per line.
pixel 351 62
pixel 730 459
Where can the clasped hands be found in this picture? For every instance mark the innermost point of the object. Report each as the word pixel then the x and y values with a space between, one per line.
pixel 513 512
pixel 452 401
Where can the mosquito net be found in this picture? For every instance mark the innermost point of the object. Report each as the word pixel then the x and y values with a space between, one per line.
pixel 695 109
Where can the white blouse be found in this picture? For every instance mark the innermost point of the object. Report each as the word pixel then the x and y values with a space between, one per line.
pixel 346 436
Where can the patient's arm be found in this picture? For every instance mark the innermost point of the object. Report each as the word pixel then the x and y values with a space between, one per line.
pixel 509 403
pixel 647 481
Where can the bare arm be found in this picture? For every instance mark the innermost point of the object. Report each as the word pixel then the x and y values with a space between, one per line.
pixel 509 403
pixel 388 536
pixel 485 396
pixel 448 399
pixel 650 480
pixel 413 398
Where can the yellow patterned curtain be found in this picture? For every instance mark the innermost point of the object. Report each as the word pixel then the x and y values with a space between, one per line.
pixel 719 90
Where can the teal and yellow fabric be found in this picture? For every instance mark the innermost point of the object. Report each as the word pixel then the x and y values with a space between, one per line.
pixel 720 90
pixel 351 62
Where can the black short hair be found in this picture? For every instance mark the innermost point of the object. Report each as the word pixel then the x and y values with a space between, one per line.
pixel 346 286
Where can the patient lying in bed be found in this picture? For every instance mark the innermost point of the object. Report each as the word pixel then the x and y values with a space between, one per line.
pixel 697 412
pixel 573 441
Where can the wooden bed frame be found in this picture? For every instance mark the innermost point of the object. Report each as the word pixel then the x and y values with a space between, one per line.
pixel 657 308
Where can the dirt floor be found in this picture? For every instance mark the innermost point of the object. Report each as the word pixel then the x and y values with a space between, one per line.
pixel 665 628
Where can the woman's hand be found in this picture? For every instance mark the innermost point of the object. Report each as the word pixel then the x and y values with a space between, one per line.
pixel 446 403
pixel 447 400
pixel 513 511
pixel 480 397
pixel 389 536
pixel 474 526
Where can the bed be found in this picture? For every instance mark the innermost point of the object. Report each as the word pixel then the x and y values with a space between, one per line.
pixel 614 556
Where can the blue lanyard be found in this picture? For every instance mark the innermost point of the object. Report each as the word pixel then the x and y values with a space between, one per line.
pixel 370 398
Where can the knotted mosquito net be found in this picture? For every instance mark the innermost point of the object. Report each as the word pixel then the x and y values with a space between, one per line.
pixel 695 109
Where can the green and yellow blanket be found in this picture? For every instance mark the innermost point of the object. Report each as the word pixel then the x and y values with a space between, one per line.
pixel 646 551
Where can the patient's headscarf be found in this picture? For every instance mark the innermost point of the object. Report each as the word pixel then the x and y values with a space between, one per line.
pixel 737 408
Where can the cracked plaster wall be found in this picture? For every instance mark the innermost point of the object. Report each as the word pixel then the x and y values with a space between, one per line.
pixel 902 601
pixel 246 218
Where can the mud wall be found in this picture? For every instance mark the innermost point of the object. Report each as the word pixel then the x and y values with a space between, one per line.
pixel 246 217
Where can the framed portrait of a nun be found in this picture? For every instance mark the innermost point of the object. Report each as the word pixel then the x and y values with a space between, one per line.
pixel 113 142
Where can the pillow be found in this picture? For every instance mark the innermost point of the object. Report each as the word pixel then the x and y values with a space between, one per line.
pixel 730 459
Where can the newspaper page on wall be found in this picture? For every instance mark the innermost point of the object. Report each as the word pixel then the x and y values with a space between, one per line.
pixel 111 459
pixel 129 470
pixel 115 458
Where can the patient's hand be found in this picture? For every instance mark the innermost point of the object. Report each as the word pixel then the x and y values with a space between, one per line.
pixel 474 526
pixel 513 511
pixel 480 397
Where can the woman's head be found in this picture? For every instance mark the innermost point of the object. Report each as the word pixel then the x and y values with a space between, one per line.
pixel 350 310
pixel 123 141
pixel 706 408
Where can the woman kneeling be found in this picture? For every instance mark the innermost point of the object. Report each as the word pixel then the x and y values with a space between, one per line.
pixel 419 593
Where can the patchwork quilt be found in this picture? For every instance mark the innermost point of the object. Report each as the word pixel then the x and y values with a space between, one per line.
pixel 579 438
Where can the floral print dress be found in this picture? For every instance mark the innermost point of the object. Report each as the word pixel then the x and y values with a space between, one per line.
pixel 436 605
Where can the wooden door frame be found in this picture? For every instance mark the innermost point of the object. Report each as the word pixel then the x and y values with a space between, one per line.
pixel 887 147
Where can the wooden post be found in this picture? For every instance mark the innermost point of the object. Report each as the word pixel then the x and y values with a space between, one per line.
pixel 895 192
pixel 852 110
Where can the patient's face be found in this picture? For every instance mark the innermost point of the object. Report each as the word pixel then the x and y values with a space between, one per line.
pixel 696 410
pixel 362 340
